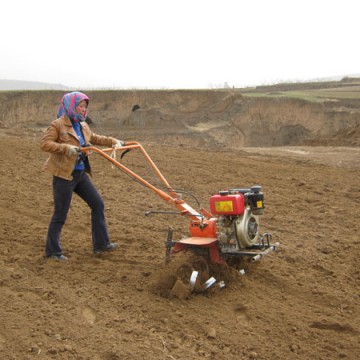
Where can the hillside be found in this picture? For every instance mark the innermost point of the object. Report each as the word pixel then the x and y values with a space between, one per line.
pixel 226 118
pixel 11 85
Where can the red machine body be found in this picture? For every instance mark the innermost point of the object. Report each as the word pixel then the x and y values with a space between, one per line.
pixel 205 228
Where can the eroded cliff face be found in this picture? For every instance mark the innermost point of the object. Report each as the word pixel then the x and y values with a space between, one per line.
pixel 223 118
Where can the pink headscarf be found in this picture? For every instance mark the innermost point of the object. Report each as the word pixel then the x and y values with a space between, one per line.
pixel 69 102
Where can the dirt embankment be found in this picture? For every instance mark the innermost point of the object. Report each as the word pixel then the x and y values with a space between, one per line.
pixel 224 118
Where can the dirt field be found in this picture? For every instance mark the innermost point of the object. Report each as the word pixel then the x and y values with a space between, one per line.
pixel 301 302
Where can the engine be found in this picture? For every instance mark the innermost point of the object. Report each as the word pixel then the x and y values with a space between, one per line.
pixel 237 212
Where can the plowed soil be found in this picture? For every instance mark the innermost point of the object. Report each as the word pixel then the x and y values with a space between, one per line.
pixel 300 302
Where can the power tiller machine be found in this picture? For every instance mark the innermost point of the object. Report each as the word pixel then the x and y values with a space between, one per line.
pixel 231 228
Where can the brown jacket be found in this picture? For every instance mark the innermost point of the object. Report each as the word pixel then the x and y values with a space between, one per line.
pixel 56 140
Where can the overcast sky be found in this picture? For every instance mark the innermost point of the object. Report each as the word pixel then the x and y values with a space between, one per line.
pixel 177 43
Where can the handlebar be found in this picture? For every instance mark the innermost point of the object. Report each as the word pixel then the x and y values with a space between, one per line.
pixel 171 197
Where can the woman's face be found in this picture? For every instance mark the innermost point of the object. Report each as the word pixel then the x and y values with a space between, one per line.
pixel 81 108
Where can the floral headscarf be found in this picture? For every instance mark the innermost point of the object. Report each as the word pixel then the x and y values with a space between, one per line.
pixel 68 104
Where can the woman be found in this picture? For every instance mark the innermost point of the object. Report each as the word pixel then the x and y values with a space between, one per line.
pixel 70 169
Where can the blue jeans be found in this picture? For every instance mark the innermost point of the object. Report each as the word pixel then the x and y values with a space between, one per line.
pixel 63 190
